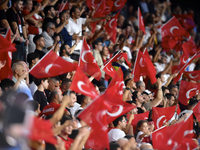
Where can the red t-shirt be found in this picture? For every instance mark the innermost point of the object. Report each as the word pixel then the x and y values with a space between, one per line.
pixel 50 109
pixel 68 142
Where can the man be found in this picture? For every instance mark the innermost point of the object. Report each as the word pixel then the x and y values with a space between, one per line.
pixel 173 89
pixel 65 84
pixel 97 48
pixel 170 99
pixel 140 85
pixel 40 45
pixel 117 132
pixel 16 22
pixel 139 101
pixel 50 14
pixel 53 84
pixel 161 64
pixel 18 77
pixel 75 23
pixel 72 105
pixel 83 101
pixel 48 33
pixel 64 15
pixel 55 100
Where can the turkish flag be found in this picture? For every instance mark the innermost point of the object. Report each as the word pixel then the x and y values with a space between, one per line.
pixel 6 56
pixel 81 84
pixel 184 57
pixel 190 47
pixel 108 68
pixel 126 59
pixel 51 65
pixel 94 3
pixel 187 143
pixel 143 66
pixel 63 6
pixel 187 90
pixel 42 130
pixel 182 68
pixel 95 116
pixel 118 4
pixel 193 75
pixel 141 25
pixel 115 88
pixel 161 115
pixel 111 27
pixel 186 21
pixel 196 111
pixel 173 28
pixel 169 43
pixel 98 13
pixel 138 117
pixel 87 62
pixel 171 137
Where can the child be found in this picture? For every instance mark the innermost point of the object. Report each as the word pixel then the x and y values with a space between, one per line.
pixel 39 95
pixel 142 131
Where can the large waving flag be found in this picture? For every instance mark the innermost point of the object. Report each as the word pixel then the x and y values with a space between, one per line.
pixel 81 84
pixel 141 25
pixel 87 62
pixel 51 65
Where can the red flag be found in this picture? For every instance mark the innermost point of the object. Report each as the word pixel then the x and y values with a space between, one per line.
pixel 171 137
pixel 187 143
pixel 196 111
pixel 88 63
pixel 81 84
pixel 143 66
pixel 98 13
pixel 169 43
pixel 42 130
pixel 111 27
pixel 196 55
pixel 113 97
pixel 94 3
pixel 173 28
pixel 193 75
pixel 190 47
pixel 186 21
pixel 141 25
pixel 138 117
pixel 6 57
pixel 6 44
pixel 187 90
pixel 95 116
pixel 161 115
pixel 126 59
pixel 115 88
pixel 118 4
pixel 108 68
pixel 51 65
pixel 63 6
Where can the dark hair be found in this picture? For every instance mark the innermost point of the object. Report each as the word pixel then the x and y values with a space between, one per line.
pixel 149 20
pixel 65 81
pixel 169 95
pixel 71 92
pixel 62 48
pixel 192 102
pixel 80 98
pixel 172 86
pixel 164 88
pixel 62 13
pixel 53 94
pixel 39 81
pixel 126 73
pixel 129 136
pixel 126 81
pixel 139 124
pixel 73 10
pixel 15 1
pixel 134 95
pixel 122 36
pixel 32 56
pixel 65 118
pixel 56 78
pixel 115 47
pixel 138 83
pixel 6 83
pixel 46 9
pixel 37 38
pixel 114 145
pixel 32 105
pixel 96 42
pixel 116 121
pixel 158 75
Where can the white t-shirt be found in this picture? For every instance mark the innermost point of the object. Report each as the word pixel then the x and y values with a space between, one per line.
pixel 74 108
pixel 115 134
pixel 127 49
pixel 68 59
pixel 160 67
pixel 139 141
pixel 75 27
